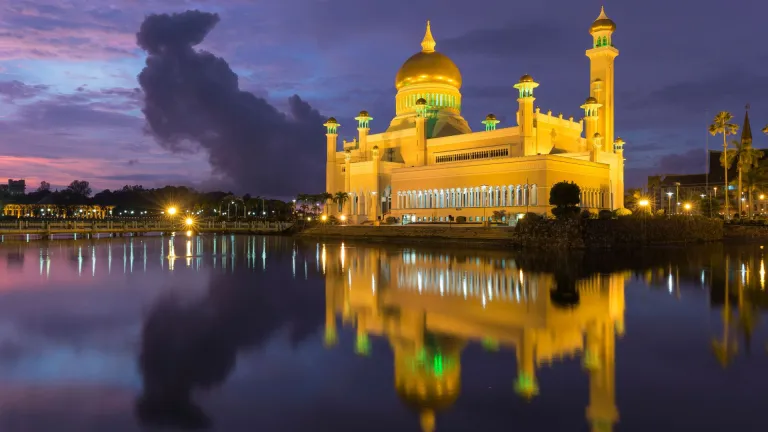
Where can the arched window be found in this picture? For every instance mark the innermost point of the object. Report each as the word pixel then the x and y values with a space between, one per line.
pixel 534 195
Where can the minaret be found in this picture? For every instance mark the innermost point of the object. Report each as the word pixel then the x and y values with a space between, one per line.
pixel 490 122
pixel 746 140
pixel 348 181
pixel 525 113
pixel 331 335
pixel 601 74
pixel 591 117
pixel 331 136
pixel 376 193
pixel 363 120
pixel 618 198
pixel 421 124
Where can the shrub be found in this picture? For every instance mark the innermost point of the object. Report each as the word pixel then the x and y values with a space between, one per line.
pixel 461 219
pixel 586 214
pixel 567 212
pixel 623 212
pixel 605 214
pixel 391 220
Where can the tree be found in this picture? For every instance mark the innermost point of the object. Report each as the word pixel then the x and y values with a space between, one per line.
pixel 499 215
pixel 709 206
pixel 722 125
pixel 565 196
pixel 632 198
pixel 341 198
pixel 80 188
pixel 746 158
pixel 44 186
pixel 755 176
pixel 325 198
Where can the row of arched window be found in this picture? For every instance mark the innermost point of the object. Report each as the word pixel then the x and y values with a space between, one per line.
pixel 472 155
pixel 594 198
pixel 602 41
pixel 484 196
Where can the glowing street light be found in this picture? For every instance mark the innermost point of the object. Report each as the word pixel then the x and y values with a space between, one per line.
pixel 687 206
pixel 189 221
pixel 643 203
pixel 172 211
pixel 324 218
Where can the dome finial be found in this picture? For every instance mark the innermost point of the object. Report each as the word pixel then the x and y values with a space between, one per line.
pixel 602 13
pixel 428 44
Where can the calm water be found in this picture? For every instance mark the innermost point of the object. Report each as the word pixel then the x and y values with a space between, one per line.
pixel 273 334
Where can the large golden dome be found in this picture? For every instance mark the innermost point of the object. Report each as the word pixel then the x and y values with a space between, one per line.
pixel 602 23
pixel 428 66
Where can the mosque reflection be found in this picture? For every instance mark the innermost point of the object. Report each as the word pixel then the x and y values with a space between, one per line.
pixel 430 306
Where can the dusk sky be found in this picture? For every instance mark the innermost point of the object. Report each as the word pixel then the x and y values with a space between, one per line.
pixel 71 104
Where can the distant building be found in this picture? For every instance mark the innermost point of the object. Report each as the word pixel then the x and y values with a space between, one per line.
pixel 17 187
pixel 665 191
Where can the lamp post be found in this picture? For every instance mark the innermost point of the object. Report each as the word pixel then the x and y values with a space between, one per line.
pixel 172 214
pixel 669 204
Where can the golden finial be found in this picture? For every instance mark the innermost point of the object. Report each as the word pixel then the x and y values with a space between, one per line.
pixel 428 44
pixel 602 13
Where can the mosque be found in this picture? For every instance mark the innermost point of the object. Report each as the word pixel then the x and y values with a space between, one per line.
pixel 429 165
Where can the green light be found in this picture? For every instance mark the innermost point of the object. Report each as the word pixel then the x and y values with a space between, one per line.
pixel 490 344
pixel 363 345
pixel 437 364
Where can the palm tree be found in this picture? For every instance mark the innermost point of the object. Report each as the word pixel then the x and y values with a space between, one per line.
pixel 326 197
pixel 722 125
pixel 747 158
pixel 341 198
pixel 755 174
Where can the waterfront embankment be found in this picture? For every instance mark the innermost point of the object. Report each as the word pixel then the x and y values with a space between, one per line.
pixel 542 233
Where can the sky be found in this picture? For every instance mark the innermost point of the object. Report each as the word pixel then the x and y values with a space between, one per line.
pixel 71 106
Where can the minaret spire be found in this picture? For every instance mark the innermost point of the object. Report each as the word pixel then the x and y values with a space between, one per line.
pixel 428 44
pixel 602 13
pixel 746 130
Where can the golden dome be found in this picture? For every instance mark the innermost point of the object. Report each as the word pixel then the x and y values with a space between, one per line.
pixel 428 66
pixel 526 78
pixel 590 100
pixel 331 120
pixel 363 113
pixel 602 23
pixel 421 101
pixel 490 117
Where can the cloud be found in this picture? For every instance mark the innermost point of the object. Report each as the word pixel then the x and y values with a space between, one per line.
pixel 12 91
pixel 193 99
pixel 512 39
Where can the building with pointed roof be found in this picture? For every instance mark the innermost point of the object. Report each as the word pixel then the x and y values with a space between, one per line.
pixel 430 166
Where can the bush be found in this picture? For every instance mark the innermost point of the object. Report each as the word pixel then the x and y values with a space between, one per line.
pixel 533 217
pixel 586 214
pixel 461 219
pixel 605 214
pixel 391 220
pixel 568 212
pixel 622 212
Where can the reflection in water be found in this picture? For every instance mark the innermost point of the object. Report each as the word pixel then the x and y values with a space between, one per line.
pixel 430 305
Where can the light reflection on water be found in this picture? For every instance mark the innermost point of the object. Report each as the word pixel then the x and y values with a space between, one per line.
pixel 404 338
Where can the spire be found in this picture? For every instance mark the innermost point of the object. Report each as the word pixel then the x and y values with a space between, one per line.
pixel 602 13
pixel 746 130
pixel 428 44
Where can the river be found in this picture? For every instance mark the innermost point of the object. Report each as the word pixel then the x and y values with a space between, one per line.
pixel 235 333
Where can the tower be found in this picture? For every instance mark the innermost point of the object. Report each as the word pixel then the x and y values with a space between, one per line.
pixel 363 127
pixel 421 132
pixel 591 119
pixel 490 122
pixel 618 147
pixel 331 137
pixel 601 75
pixel 525 113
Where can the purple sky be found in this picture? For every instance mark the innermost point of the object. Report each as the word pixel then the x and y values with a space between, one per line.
pixel 70 107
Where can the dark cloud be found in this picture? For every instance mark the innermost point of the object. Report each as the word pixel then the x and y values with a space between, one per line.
pixel 193 97
pixel 15 90
pixel 52 114
pixel 132 162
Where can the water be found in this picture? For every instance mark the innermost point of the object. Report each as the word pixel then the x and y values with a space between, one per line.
pixel 274 334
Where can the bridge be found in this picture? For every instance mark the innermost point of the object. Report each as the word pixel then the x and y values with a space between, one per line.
pixel 98 228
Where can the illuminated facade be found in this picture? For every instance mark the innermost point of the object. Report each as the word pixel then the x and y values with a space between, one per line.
pixel 83 211
pixel 429 164
pixel 429 306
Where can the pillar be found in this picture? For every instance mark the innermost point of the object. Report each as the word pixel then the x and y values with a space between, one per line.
pixel 525 113
pixel 618 187
pixel 601 72
pixel 363 127
pixel 376 193
pixel 348 181
pixel 421 132
pixel 331 141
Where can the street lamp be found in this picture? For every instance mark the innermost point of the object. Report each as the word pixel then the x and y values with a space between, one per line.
pixel 172 211
pixel 687 207
pixel 669 204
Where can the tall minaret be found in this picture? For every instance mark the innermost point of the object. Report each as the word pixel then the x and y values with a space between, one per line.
pixel 601 58
pixel 331 127
pixel 618 147
pixel 363 127
pixel 525 113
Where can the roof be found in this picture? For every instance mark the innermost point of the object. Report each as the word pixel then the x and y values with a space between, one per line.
pixel 746 130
